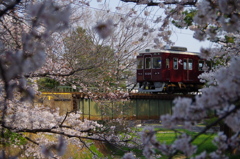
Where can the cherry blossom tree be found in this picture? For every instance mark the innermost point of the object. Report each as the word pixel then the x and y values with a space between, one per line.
pixel 217 21
pixel 27 29
pixel 24 50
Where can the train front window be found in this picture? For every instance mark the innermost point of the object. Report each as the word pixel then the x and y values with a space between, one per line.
pixel 175 63
pixel 148 62
pixel 140 63
pixel 157 63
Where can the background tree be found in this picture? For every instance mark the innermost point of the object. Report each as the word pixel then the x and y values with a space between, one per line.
pixel 130 35
pixel 114 57
pixel 81 53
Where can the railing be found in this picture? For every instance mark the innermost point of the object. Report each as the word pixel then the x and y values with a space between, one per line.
pixel 71 89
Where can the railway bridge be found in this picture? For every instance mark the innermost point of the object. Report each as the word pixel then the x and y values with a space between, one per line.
pixel 138 106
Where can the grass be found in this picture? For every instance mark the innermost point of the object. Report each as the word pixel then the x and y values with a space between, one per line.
pixel 203 142
pixel 74 152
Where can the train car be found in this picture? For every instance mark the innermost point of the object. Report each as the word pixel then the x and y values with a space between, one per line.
pixel 169 70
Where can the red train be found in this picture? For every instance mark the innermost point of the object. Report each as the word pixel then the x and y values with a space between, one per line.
pixel 170 70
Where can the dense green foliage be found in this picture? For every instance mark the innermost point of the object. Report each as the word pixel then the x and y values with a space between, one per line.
pixel 47 84
pixel 10 138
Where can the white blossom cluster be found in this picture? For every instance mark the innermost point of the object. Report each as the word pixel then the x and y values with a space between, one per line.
pixel 22 118
pixel 18 116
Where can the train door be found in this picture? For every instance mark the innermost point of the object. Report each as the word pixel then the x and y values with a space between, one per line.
pixel 187 69
pixel 147 71
pixel 140 67
pixel 156 66
pixel 167 73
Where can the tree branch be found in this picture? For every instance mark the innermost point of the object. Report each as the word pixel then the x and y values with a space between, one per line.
pixel 208 127
pixel 64 119
pixel 31 140
pixel 151 3
pixel 9 7
pixel 214 123
pixel 55 132
pixel 59 74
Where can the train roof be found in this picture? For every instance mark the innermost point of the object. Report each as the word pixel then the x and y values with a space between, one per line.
pixel 173 50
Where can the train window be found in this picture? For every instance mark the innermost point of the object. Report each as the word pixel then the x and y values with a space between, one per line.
pixel 204 65
pixel 157 63
pixel 175 63
pixel 139 63
pixel 167 63
pixel 148 62
pixel 190 64
pixel 200 65
pixel 185 64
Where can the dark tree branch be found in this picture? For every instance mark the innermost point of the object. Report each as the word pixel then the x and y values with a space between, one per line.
pixel 64 119
pixel 46 74
pixel 84 143
pixel 9 7
pixel 10 33
pixel 210 126
pixel 31 140
pixel 214 123
pixel 52 132
pixel 151 3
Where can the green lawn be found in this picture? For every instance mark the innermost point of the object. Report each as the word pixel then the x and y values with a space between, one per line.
pixel 203 142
